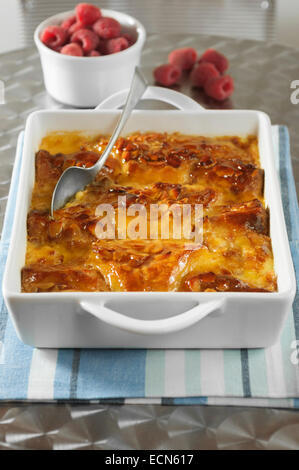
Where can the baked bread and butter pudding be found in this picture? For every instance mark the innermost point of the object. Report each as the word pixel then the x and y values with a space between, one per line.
pixel 223 174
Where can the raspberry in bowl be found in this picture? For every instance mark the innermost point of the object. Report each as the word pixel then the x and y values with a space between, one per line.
pixel 86 59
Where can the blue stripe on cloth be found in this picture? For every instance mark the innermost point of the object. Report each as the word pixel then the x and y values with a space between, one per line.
pixel 291 209
pixel 258 372
pixel 233 383
pixel 192 372
pixel 63 374
pixel 154 373
pixel 111 373
pixel 185 401
pixel 287 184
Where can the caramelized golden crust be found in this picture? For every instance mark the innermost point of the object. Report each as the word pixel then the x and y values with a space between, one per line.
pixel 211 282
pixel 222 174
pixel 38 278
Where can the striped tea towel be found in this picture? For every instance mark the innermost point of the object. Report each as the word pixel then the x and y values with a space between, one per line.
pixel 260 377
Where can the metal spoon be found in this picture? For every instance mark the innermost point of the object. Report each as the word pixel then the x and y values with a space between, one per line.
pixel 75 178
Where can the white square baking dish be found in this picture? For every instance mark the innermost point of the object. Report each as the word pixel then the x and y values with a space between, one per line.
pixel 150 319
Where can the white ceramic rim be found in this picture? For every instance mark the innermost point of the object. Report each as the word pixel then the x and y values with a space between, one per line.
pixel 58 18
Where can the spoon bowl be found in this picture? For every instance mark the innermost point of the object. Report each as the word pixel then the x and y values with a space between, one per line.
pixel 74 178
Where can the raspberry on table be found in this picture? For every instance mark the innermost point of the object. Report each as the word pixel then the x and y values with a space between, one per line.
pixel 72 49
pixel 107 28
pixel 87 14
pixel 167 74
pixel 220 87
pixel 203 72
pixel 54 36
pixel 116 45
pixel 88 40
pixel 184 58
pixel 66 24
pixel 214 57
pixel 93 54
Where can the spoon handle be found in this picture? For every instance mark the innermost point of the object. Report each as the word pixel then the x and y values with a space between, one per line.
pixel 137 89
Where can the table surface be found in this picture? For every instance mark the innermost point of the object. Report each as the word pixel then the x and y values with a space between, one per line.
pixel 263 73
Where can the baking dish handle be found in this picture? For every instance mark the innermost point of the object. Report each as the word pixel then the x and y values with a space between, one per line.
pixel 153 327
pixel 179 100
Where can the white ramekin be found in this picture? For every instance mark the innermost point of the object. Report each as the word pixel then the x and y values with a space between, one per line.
pixel 85 81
